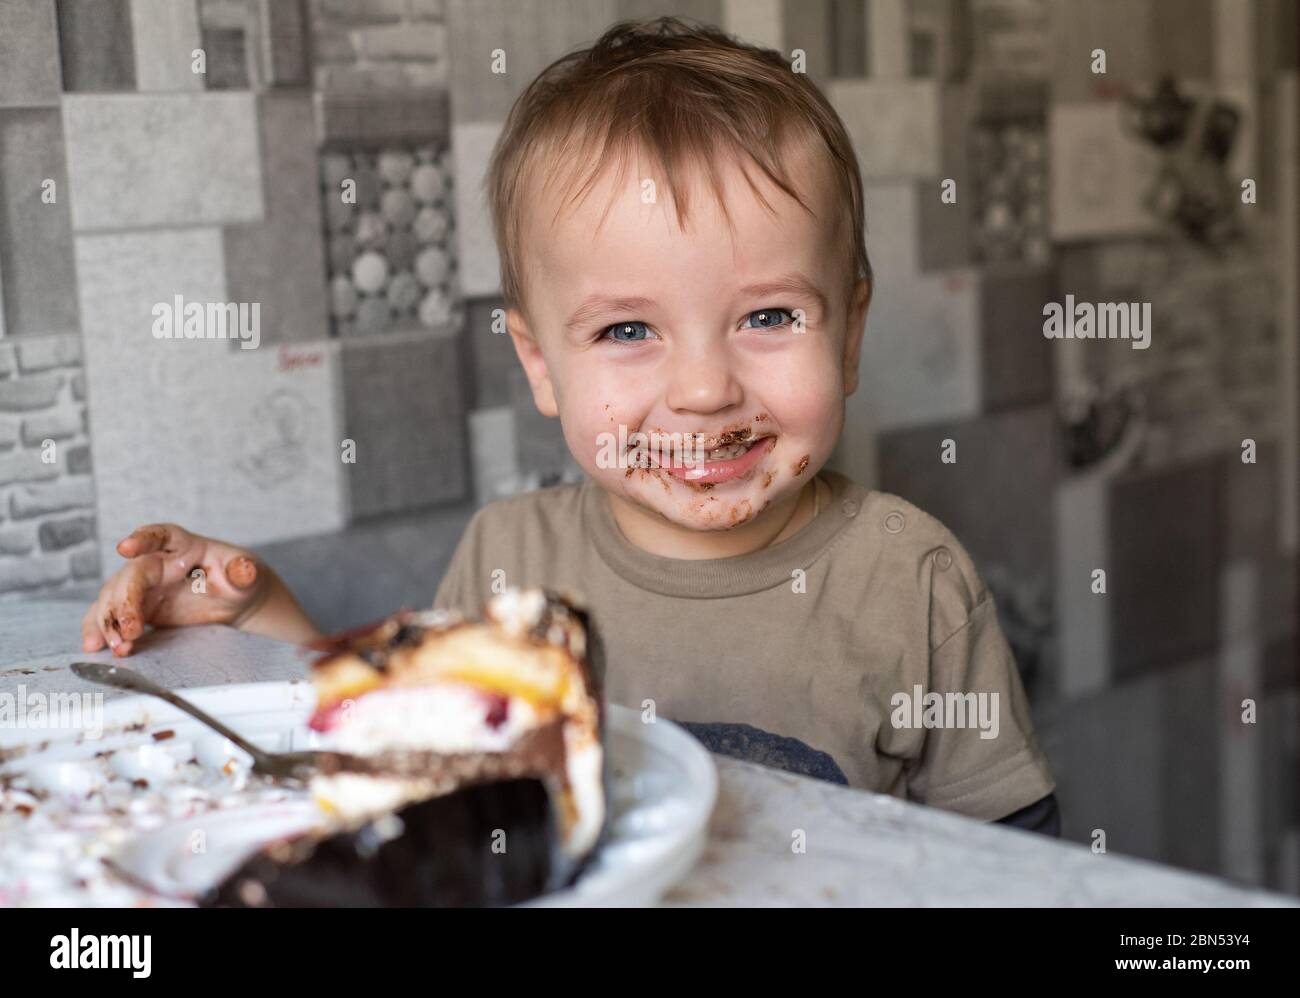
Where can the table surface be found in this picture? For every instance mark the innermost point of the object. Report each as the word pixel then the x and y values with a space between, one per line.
pixel 859 848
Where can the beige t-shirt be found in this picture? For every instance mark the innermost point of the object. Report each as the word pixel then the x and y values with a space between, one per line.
pixel 817 654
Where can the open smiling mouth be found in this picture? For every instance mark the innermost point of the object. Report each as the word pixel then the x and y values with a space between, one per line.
pixel 721 464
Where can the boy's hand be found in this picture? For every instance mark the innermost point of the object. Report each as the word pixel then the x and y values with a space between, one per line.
pixel 159 585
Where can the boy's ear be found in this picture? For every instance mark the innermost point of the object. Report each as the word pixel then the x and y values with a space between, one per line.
pixel 858 305
pixel 530 356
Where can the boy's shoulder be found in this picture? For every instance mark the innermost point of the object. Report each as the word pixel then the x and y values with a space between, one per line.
pixel 912 548
pixel 530 521
pixel 525 536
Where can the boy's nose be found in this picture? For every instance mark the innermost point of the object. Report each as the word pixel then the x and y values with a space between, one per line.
pixel 703 381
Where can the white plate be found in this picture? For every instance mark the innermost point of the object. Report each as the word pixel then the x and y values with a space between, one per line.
pixel 662 785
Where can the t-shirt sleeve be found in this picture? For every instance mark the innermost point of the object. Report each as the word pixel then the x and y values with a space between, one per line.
pixel 1043 816
pixel 460 588
pixel 988 765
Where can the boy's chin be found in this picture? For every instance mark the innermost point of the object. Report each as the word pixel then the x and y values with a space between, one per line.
pixel 723 507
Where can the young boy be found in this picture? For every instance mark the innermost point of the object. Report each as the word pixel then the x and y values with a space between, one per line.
pixel 680 221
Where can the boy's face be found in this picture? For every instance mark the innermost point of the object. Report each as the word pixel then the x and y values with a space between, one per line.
pixel 747 339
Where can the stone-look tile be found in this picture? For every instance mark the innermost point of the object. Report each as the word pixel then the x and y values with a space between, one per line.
pixel 56 497
pixel 1183 32
pixel 45 352
pixel 1015 357
pixel 227 58
pixel 1279 789
pixel 358 13
pixel 1239 674
pixel 281 42
pixel 480 267
pixel 1250 494
pixel 492 354
pixel 1010 462
pixel 60 424
pixel 402 406
pixel 708 11
pixel 224 15
pixel 1123 28
pixel 1007 170
pixel 165 35
pixel 757 22
pixel 241 444
pixel 401 558
pixel 61 533
pixel 1279 599
pixel 95 46
pixel 1164 559
pixel 1275 32
pixel 29 54
pixel 78 460
pixel 40 293
pixel 938 308
pixel 494 453
pixel 1143 39
pixel 532 35
pixel 894 125
pixel 1106 753
pixel 229 30
pixel 401 42
pixel 354 118
pixel 26 466
pixel 1190 775
pixel 889 40
pixel 33 573
pixel 30 393
pixel 84 562
pixel 280 262
pixel 920 359
pixel 137 161
pixel 543 455
pixel 809 26
pixel 944 239
pixel 941 38
pixel 848 39
pixel 18 539
pixel 1099 173
pixel 428 10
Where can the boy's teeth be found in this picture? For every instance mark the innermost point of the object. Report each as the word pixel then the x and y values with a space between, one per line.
pixel 727 453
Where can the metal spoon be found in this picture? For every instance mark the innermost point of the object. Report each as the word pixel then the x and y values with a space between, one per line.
pixel 292 767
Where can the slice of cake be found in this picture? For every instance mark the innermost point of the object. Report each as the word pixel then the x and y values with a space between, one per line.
pixel 469 765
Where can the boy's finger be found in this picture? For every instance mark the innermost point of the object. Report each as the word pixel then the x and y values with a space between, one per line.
pixel 151 538
pixel 241 571
pixel 141 575
pixel 92 639
pixel 107 622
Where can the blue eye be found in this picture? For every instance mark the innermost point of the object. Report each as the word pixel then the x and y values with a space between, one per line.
pixel 626 332
pixel 769 318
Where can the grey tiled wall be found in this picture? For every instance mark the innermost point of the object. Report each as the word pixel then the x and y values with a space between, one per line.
pixel 47 495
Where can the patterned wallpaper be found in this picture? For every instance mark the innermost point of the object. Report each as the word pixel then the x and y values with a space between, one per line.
pixel 135 175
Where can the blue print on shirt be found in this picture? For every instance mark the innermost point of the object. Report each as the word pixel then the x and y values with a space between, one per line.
pixel 744 741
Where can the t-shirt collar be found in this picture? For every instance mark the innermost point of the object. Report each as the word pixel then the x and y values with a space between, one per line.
pixel 720 577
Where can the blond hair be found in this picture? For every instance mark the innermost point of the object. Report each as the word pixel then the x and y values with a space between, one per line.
pixel 684 92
